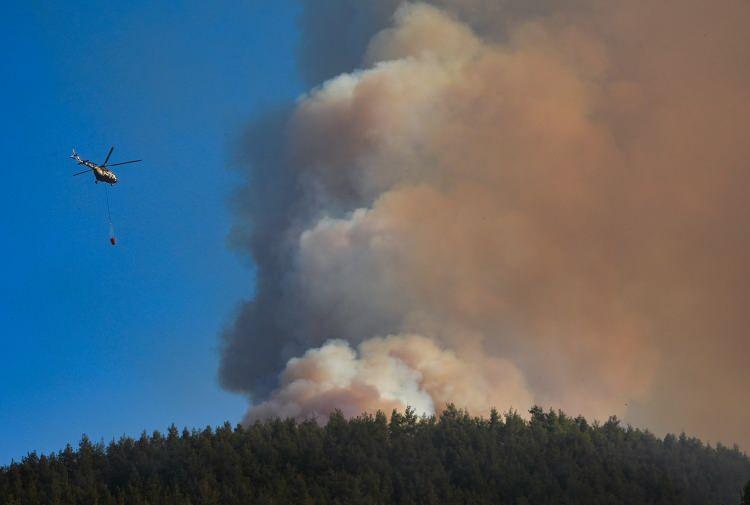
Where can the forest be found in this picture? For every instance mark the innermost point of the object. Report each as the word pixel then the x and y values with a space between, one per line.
pixel 454 458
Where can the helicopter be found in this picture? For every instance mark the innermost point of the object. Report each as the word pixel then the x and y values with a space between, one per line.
pixel 101 172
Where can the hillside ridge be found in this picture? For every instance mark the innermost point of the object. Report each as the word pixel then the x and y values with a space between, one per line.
pixel 371 459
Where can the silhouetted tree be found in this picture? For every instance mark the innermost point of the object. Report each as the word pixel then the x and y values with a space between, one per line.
pixel 407 459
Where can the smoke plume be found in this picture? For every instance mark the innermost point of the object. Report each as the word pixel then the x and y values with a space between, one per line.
pixel 501 203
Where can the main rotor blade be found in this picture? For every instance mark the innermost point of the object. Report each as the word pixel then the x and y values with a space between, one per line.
pixel 123 163
pixel 84 172
pixel 108 155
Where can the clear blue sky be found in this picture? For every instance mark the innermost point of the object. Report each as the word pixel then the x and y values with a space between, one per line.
pixel 110 341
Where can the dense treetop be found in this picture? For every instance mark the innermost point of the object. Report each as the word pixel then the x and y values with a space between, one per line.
pixel 455 458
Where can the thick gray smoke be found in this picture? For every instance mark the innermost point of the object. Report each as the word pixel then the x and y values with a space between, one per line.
pixel 505 203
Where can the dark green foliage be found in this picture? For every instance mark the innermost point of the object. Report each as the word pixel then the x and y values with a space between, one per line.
pixel 456 458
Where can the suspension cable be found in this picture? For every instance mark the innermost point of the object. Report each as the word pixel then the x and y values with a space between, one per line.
pixel 112 239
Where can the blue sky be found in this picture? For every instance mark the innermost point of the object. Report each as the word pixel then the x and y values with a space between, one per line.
pixel 110 341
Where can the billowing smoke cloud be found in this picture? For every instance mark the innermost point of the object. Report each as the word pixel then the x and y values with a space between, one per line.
pixel 389 373
pixel 505 203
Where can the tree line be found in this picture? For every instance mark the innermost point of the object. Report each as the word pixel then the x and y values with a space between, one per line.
pixel 455 458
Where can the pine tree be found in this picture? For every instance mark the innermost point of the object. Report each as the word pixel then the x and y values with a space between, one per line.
pixel 453 458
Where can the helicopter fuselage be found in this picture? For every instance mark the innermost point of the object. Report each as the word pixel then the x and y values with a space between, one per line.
pixel 101 174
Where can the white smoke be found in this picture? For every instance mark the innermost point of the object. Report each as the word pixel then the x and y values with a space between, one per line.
pixel 389 373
